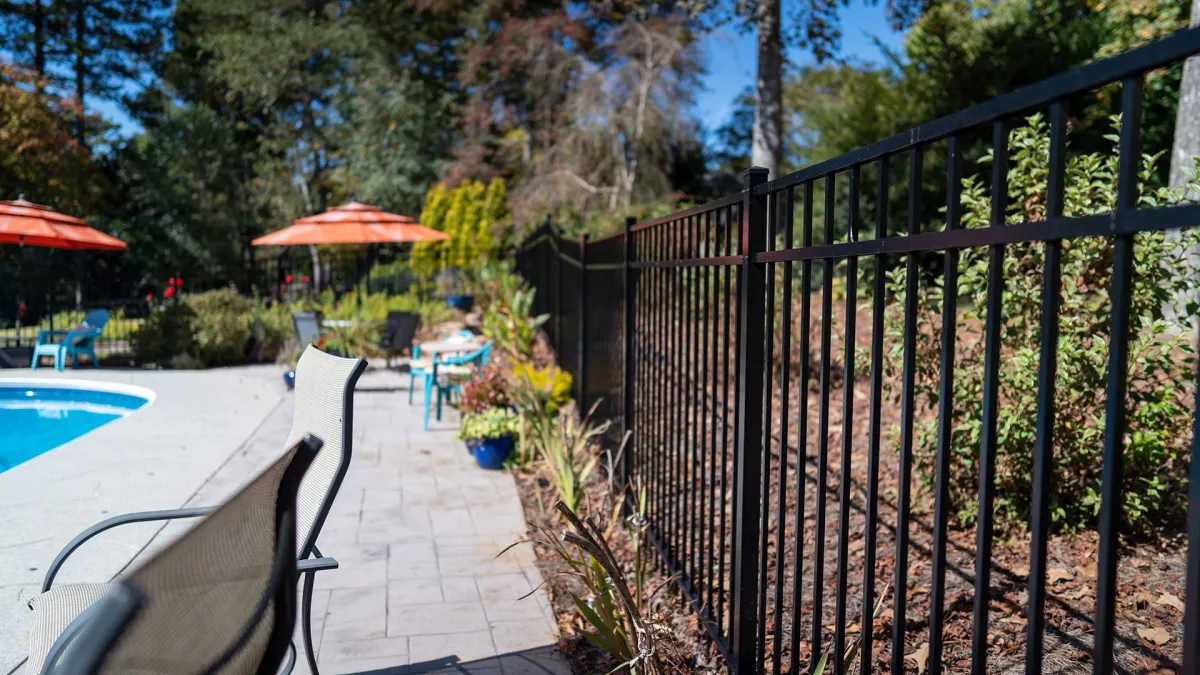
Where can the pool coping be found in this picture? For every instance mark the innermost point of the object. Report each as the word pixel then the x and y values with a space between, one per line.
pixel 85 385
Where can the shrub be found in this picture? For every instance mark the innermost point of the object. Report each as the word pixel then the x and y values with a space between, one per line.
pixel 222 326
pixel 163 335
pixel 491 423
pixel 215 328
pixel 486 390
pixel 548 387
pixel 508 310
pixel 1160 362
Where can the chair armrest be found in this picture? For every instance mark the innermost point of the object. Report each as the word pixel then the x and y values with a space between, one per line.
pixel 125 519
pixel 316 565
pixel 44 336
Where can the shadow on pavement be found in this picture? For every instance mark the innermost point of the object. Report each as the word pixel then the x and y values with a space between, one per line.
pixel 539 661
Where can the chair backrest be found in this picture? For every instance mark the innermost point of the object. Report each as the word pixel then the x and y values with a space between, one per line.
pixel 308 326
pixel 399 331
pixel 323 407
pixel 97 318
pixel 479 356
pixel 220 599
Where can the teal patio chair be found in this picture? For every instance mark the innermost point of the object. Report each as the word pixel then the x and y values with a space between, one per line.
pixel 418 367
pixel 74 343
pixel 452 365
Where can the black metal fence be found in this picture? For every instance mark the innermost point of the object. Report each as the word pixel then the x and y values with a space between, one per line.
pixel 52 290
pixel 684 327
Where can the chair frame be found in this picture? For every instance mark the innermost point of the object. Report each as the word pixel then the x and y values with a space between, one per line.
pixel 478 357
pixel 309 558
pixel 69 346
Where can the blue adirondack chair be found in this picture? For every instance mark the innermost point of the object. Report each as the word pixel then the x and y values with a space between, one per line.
pixel 64 344
pixel 455 364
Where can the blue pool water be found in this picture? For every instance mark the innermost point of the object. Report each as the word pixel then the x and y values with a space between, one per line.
pixel 36 418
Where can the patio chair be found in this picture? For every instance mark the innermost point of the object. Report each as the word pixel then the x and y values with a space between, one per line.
pixel 308 327
pixel 324 407
pixel 446 367
pixel 64 344
pixel 220 599
pixel 419 368
pixel 398 333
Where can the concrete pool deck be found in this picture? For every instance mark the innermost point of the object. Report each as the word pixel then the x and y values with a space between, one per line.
pixel 415 527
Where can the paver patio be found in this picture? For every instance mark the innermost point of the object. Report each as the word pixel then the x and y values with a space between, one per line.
pixel 416 528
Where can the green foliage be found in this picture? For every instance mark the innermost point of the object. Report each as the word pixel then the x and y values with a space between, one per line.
pixel 215 328
pixel 489 423
pixel 468 213
pixel 507 303
pixel 562 443
pixel 165 334
pixel 1161 362
pixel 221 329
pixel 488 389
pixel 616 617
pixel 354 340
pixel 549 386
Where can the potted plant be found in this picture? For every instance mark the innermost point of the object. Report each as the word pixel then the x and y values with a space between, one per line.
pixel 452 284
pixel 489 436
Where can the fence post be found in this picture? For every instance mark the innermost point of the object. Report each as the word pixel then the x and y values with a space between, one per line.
pixel 750 390
pixel 554 236
pixel 581 338
pixel 627 353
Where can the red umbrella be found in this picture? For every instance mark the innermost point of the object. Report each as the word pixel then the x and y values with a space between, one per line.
pixel 351 223
pixel 29 224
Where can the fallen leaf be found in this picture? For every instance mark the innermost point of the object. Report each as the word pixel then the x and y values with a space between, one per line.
pixel 1019 620
pixel 1088 570
pixel 1158 636
pixel 1058 574
pixel 853 628
pixel 1170 601
pixel 921 657
pixel 425 452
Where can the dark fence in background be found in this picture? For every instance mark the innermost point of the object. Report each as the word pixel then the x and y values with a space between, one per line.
pixel 674 321
pixel 43 289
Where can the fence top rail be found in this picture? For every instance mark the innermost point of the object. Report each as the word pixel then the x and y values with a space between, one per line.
pixel 1176 47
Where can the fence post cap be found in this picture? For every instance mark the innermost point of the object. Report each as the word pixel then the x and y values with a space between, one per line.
pixel 756 172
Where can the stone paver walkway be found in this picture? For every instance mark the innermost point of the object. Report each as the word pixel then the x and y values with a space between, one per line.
pixel 416 528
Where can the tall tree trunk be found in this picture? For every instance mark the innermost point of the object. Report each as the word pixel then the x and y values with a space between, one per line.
pixel 1184 151
pixel 1187 118
pixel 767 149
pixel 39 44
pixel 80 33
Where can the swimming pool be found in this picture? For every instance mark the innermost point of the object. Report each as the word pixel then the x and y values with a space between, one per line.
pixel 37 416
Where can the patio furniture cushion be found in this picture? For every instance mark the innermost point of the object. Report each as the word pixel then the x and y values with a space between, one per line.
pixel 53 611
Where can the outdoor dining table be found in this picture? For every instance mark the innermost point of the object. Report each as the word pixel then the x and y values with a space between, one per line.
pixel 449 346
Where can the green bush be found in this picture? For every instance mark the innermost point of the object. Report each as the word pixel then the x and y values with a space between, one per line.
pixel 222 327
pixel 216 328
pixel 507 303
pixel 1161 364
pixel 164 335
pixel 491 423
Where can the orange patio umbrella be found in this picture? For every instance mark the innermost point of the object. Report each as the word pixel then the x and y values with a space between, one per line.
pixel 30 224
pixel 351 223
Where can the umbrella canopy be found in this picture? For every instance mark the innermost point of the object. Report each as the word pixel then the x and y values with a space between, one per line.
pixel 25 223
pixel 351 223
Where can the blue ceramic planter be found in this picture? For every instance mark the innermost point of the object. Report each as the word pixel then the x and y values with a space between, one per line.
pixel 491 453
pixel 461 302
pixel 289 379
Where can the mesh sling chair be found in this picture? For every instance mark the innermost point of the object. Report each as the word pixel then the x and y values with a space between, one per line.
pixel 220 599
pixel 323 407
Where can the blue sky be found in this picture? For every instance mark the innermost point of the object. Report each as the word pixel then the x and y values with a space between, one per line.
pixel 730 57
pixel 732 62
